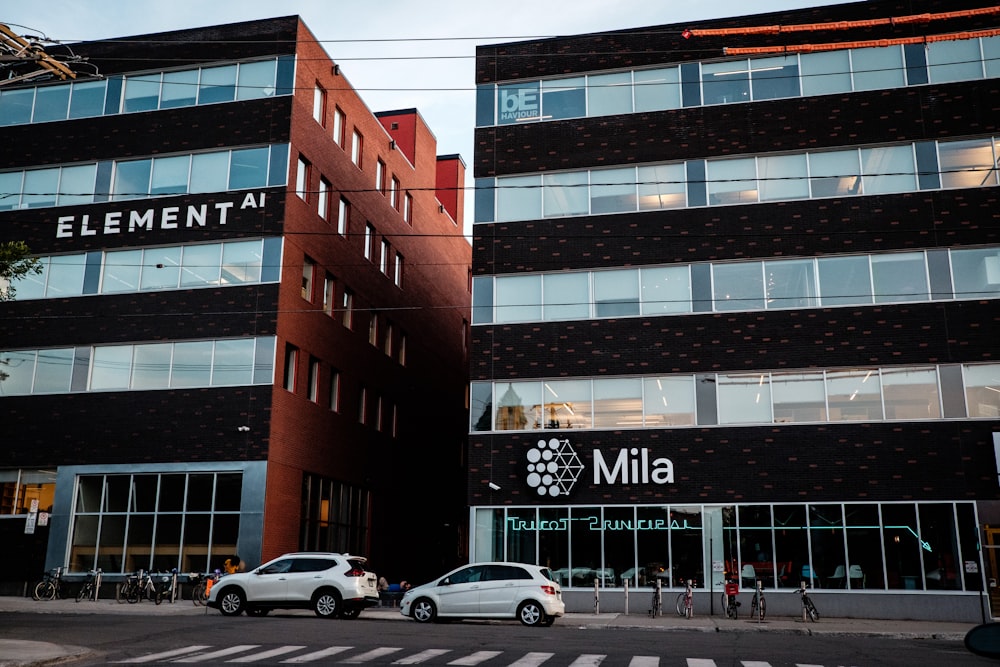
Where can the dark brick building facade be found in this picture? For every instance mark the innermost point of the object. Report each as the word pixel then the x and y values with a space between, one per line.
pixel 744 172
pixel 214 366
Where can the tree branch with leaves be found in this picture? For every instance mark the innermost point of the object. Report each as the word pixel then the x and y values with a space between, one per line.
pixel 15 262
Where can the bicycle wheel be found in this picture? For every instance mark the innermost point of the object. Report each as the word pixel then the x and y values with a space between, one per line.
pixel 85 591
pixel 811 610
pixel 753 607
pixel 132 593
pixel 763 607
pixel 44 590
pixel 681 605
pixel 198 596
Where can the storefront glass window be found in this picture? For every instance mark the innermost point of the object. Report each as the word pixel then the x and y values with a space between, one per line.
pixel 585 544
pixel 864 547
pixel 553 541
pixel 791 545
pixel 826 532
pixel 939 546
pixel 522 533
pixel 620 530
pixel 653 546
pixel 687 559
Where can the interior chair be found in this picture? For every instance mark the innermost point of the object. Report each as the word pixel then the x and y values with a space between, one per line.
pixel 856 576
pixel 748 573
pixel 839 578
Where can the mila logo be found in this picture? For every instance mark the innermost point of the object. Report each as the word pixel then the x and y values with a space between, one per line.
pixel 553 467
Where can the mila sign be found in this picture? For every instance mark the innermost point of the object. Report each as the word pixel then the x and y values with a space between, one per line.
pixel 554 467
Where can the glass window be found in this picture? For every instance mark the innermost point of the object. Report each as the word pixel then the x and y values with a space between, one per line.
pixel 612 190
pixel 40 187
pixel 142 93
pixel 192 366
pixel 878 68
pixel 131 179
pixel 112 366
pixel 976 273
pixel 121 271
pixel 180 89
pixel 657 89
pixel 565 194
pixel 776 77
pixel 209 172
pixel 911 393
pixel 566 296
pixel 900 277
pixel 53 371
pixel 798 397
pixel 519 198
pixel 829 565
pixel 339 126
pixel 32 285
pixel 617 402
pixel 65 276
pixel 15 106
pixel 564 98
pixel 844 281
pixel 616 293
pixel 248 168
pixel 76 184
pixel 263 360
pixel 782 177
pixel 519 102
pixel 967 164
pixel 10 189
pixel 725 82
pixel 161 268
pixel 170 175
pixel 738 286
pixel 790 284
pixel 744 398
pixel 662 186
pixel 87 100
pixel 482 300
pixel 668 401
pixel 854 395
pixel 665 290
pixel 982 390
pixel 732 181
pixel 519 406
pixel 218 84
pixel 954 60
pixel 357 146
pixel 609 94
pixel 518 298
pixel 201 265
pixel 888 169
pixel 20 369
pixel 51 103
pixel 256 80
pixel 233 362
pixel 151 366
pixel 991 56
pixel 835 173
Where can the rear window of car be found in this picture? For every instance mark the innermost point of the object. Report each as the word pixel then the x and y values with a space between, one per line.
pixel 312 564
pixel 358 563
pixel 547 573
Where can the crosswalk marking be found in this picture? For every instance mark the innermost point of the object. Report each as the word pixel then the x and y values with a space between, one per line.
pixel 531 659
pixel 755 663
pixel 700 662
pixel 274 652
pixel 318 655
pixel 372 654
pixel 644 661
pixel 166 654
pixel 221 653
pixel 476 658
pixel 588 660
pixel 422 656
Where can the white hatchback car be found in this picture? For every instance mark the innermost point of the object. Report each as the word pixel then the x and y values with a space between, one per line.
pixel 330 584
pixel 488 590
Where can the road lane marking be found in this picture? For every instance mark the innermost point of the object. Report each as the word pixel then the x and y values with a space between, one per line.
pixel 644 661
pixel 372 654
pixel 588 660
pixel 531 659
pixel 166 654
pixel 422 656
pixel 317 655
pixel 264 655
pixel 476 658
pixel 221 653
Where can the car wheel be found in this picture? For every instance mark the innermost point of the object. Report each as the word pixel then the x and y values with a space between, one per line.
pixel 257 611
pixel 326 604
pixel 350 614
pixel 423 611
pixel 231 602
pixel 530 613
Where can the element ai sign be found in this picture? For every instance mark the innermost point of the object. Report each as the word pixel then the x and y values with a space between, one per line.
pixel 554 467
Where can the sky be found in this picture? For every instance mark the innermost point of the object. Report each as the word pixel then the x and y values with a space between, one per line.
pixel 398 54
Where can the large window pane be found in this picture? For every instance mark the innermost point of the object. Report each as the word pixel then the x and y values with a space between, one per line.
pixel 233 363
pixel 616 293
pixel 991 56
pixel 52 372
pixel 20 369
pixel 976 273
pixel 967 164
pixel 567 404
pixel 518 102
pixel 481 406
pixel 798 397
pixel 954 60
pixel 782 177
pixel 87 99
pixel 161 268
pixel 900 277
pixel 142 93
pixel 612 190
pixel 256 80
pixel 209 172
pixel 65 276
pixel 121 271
pixel 170 175
pixel 790 284
pixel 911 393
pixel 76 185
pixel 829 564
pixel 564 98
pixel 657 89
pixel 888 169
pixel 15 106
pixel 609 94
pixel 519 198
pixel 776 77
pixel 218 84
pixel 248 168
pixel 51 103
pixel 40 187
pixel 566 296
pixel 665 290
pixel 662 186
pixel 738 286
pixel 201 265
pixel 192 364
pixel 241 262
pixel 482 299
pixel 744 398
pixel 835 173
pixel 565 194
pixel 519 406
pixel 825 72
pixel 982 390
pixel 131 179
pixel 726 82
pixel 617 403
pixel 878 68
pixel 518 298
pixel 844 281
pixel 669 401
pixel 864 547
pixel 180 89
pixel 112 367
pixel 732 181
pixel 10 190
pixel 151 366
pixel 854 395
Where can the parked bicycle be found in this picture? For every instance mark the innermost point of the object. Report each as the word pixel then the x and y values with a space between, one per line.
pixel 167 587
pixel 88 591
pixel 729 601
pixel 139 586
pixel 656 609
pixel 685 601
pixel 202 586
pixel 808 608
pixel 50 587
pixel 758 605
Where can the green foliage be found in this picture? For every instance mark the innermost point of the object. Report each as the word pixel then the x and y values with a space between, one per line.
pixel 15 262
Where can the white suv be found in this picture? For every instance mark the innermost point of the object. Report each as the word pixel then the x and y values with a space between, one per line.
pixel 488 590
pixel 330 584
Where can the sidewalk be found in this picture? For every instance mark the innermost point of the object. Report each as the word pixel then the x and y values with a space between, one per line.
pixel 18 653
